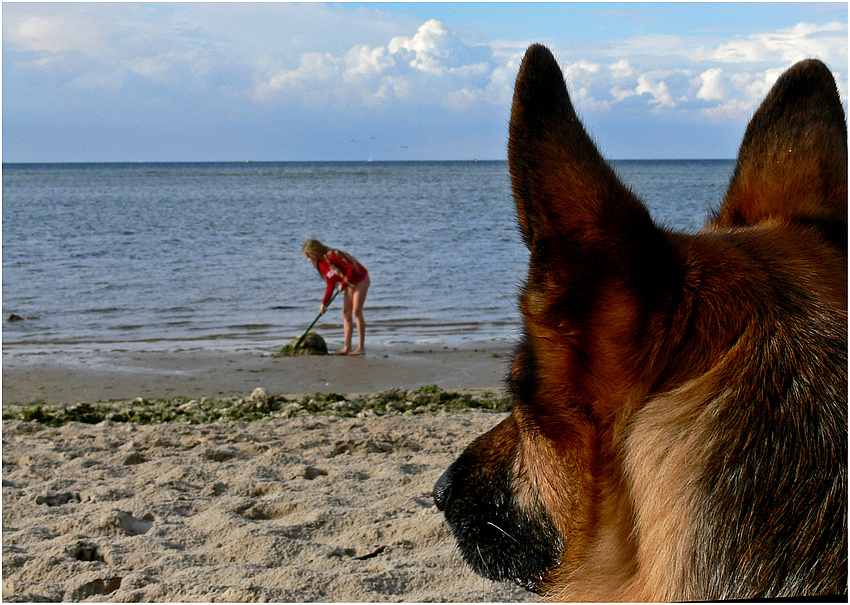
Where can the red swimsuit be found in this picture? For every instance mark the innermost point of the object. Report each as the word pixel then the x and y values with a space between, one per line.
pixel 336 267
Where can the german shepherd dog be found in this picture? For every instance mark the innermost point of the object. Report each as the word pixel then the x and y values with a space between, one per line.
pixel 679 421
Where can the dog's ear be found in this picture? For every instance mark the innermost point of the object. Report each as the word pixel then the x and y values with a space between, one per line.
pixel 793 159
pixel 562 187
pixel 596 255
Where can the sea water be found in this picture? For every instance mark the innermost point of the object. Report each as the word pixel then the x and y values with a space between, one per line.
pixel 181 256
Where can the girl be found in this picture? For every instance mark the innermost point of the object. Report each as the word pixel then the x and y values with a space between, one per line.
pixel 342 270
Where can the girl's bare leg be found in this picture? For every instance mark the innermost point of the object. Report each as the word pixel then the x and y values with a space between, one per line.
pixel 358 298
pixel 347 324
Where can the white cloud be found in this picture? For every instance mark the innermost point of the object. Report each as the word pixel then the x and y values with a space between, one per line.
pixel 573 69
pixel 618 94
pixel 430 68
pixel 500 84
pixel 428 49
pixel 54 35
pixel 314 69
pixel 724 81
pixel 589 102
pixel 736 95
pixel 462 99
pixel 827 42
pixel 621 69
pixel 657 88
pixel 712 85
pixel 363 60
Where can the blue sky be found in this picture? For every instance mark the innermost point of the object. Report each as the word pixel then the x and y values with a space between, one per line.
pixel 407 81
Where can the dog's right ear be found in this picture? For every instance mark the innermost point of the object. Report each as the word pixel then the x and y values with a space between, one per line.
pixel 596 256
pixel 793 159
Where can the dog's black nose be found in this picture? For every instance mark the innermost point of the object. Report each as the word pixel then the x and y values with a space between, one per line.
pixel 441 489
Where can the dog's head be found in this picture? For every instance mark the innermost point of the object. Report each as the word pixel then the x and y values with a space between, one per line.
pixel 650 359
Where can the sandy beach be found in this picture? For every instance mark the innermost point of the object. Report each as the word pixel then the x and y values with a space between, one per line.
pixel 297 507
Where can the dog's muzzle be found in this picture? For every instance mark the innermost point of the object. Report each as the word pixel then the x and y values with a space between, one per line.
pixel 442 489
pixel 494 536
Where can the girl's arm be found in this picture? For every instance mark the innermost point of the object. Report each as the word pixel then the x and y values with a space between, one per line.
pixel 328 292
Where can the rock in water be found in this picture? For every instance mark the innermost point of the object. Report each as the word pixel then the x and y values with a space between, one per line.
pixel 313 344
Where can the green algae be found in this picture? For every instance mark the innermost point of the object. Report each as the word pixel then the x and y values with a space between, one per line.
pixel 427 400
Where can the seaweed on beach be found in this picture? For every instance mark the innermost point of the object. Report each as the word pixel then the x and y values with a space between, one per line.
pixel 259 406
pixel 312 344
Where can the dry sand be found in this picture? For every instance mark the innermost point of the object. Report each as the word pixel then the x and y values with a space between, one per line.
pixel 310 508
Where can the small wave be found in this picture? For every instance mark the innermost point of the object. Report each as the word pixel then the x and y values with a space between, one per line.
pixel 101 310
pixel 176 309
pixel 253 327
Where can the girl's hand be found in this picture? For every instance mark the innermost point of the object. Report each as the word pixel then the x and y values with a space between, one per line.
pixel 323 309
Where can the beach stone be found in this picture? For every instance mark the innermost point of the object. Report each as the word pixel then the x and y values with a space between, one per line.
pixel 313 344
pixel 311 472
pixel 134 458
pixel 221 454
pixel 57 499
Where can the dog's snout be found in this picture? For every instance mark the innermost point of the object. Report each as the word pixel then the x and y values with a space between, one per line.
pixel 442 488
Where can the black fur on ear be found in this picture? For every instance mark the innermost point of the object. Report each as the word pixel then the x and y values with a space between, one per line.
pixel 587 232
pixel 561 183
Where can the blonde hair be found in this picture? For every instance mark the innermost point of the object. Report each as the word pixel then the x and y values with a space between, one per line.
pixel 315 251
pixel 313 247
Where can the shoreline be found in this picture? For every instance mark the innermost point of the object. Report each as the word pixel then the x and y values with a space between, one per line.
pixel 127 375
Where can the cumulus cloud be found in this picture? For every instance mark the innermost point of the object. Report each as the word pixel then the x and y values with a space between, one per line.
pixel 621 69
pixel 313 68
pixel 363 60
pixel 429 50
pixel 827 42
pixel 53 35
pixel 432 67
pixel 725 81
pixel 712 85
pixel 734 95
pixel 656 88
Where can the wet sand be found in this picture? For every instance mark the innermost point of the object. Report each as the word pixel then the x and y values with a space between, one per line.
pixel 113 376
